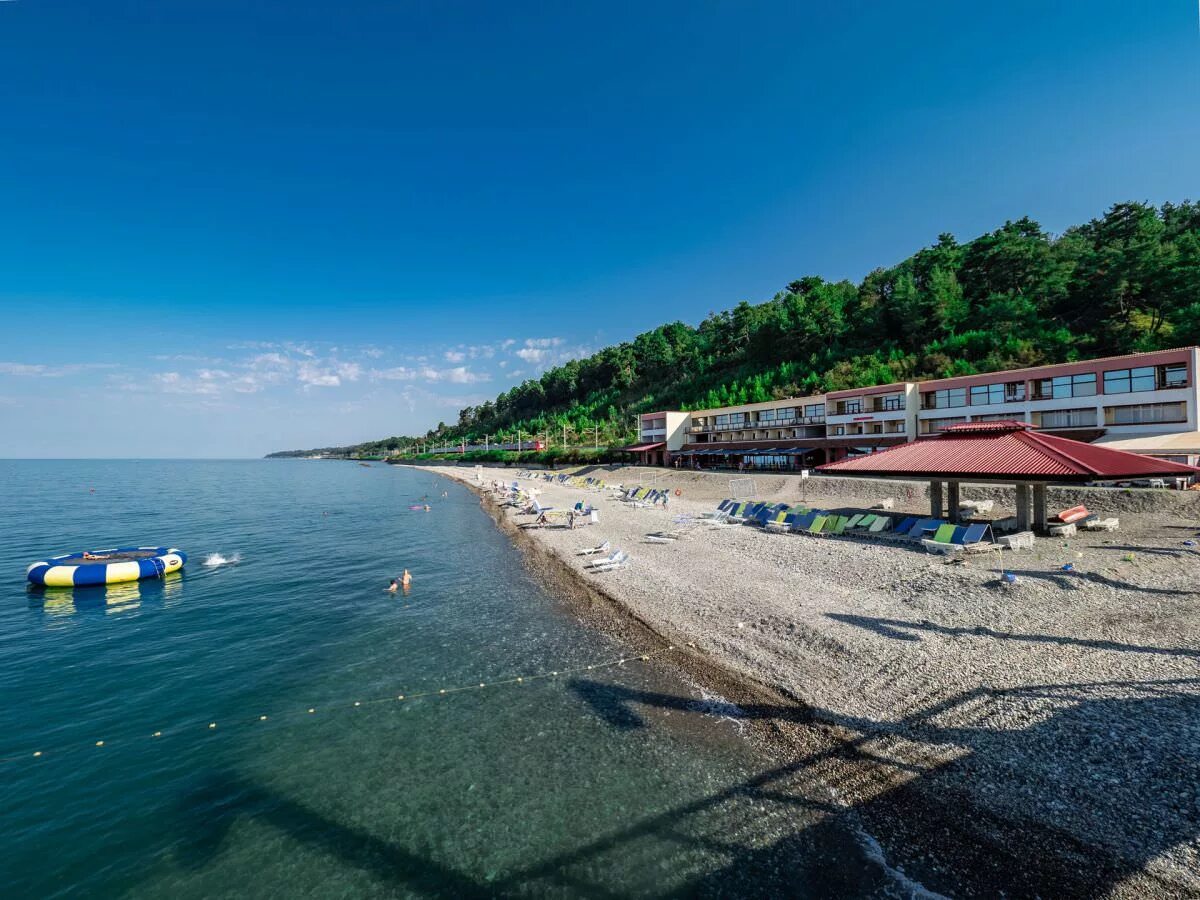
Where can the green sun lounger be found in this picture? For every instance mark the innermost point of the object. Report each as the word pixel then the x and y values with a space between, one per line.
pixel 818 523
pixel 881 523
pixel 944 534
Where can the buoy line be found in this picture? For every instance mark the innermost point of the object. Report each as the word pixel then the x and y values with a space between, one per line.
pixel 205 726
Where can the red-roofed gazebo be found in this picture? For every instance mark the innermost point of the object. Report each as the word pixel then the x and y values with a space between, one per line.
pixel 1008 452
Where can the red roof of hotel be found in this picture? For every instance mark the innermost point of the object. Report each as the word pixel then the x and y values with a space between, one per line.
pixel 1011 451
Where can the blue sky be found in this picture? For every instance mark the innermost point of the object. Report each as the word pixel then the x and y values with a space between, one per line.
pixel 234 227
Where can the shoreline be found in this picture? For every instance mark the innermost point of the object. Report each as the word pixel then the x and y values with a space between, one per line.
pixel 930 823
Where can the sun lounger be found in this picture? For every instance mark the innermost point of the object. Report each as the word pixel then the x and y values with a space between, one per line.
pixel 618 560
pixel 944 534
pixel 1097 524
pixel 947 539
pixel 904 526
pixel 804 520
pixel 978 538
pixel 881 524
pixel 664 537
pixel 923 526
pixel 605 560
pixel 592 551
pixel 782 521
pixel 817 524
pixel 854 521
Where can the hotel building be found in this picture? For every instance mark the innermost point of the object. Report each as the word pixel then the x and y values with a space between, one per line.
pixel 1143 403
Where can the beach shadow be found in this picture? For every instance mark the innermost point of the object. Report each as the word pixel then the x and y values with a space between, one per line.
pixel 614 704
pixel 840 820
pixel 223 798
pixel 904 630
pixel 1149 551
pixel 1070 581
pixel 820 839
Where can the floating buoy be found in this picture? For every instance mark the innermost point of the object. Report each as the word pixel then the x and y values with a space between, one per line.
pixel 93 567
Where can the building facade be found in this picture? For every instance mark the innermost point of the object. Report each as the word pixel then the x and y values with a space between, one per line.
pixel 1145 403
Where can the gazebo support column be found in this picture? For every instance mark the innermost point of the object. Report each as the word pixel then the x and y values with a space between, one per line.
pixel 936 504
pixel 1039 507
pixel 1024 507
pixel 952 500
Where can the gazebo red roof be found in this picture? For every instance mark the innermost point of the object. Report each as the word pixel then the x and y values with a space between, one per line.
pixel 640 448
pixel 1009 451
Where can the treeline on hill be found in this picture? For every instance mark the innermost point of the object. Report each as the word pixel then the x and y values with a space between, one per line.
pixel 1018 296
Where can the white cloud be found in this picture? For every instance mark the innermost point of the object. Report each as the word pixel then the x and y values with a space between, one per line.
pixel 538 350
pixel 455 375
pixel 463 375
pixel 455 356
pixel 174 383
pixel 311 375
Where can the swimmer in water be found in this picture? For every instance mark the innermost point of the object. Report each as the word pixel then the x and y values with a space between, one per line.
pixel 428 507
pixel 391 588
pixel 406 580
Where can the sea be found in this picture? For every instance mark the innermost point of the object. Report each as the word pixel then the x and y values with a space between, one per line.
pixel 238 729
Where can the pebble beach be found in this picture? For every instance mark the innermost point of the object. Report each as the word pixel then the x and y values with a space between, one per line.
pixel 1054 720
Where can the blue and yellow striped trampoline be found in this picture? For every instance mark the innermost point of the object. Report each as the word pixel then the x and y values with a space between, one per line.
pixel 93 567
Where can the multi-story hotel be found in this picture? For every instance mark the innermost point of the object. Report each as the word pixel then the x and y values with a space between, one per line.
pixel 1144 403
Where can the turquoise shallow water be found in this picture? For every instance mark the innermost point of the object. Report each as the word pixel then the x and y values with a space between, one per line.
pixel 625 781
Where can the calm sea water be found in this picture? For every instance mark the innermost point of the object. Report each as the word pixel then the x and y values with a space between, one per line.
pixel 617 782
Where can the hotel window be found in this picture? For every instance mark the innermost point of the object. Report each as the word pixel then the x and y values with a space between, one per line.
pixel 767 416
pixel 933 426
pixel 815 410
pixel 1145 414
pixel 839 430
pixel 1065 418
pixel 944 399
pixel 1065 386
pixel 848 407
pixel 888 403
pixel 987 394
pixel 1145 378
pixel 727 421
pixel 999 417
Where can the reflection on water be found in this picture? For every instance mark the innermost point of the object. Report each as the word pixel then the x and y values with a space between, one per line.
pixel 171 588
pixel 59 602
pixel 124 597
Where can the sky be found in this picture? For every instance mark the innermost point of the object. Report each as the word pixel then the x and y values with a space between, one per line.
pixel 228 228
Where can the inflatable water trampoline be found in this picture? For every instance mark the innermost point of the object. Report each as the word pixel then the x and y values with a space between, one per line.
pixel 89 567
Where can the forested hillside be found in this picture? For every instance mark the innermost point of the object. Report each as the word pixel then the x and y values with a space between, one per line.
pixel 1017 296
